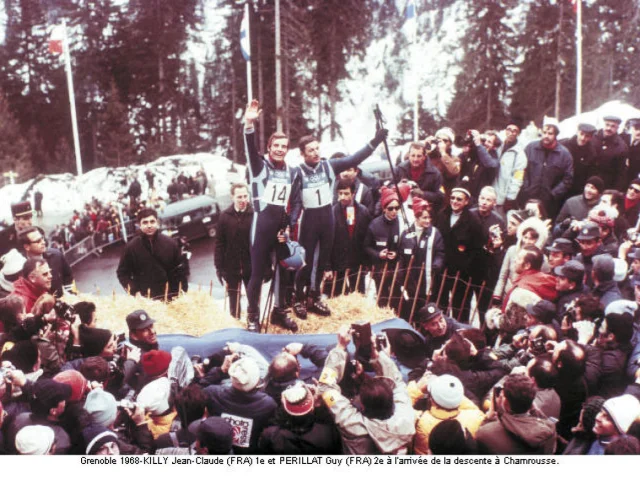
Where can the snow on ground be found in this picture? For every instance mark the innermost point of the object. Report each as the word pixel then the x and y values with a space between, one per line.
pixel 64 193
pixel 569 126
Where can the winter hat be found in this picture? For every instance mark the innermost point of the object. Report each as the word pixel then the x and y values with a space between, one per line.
pixel 573 270
pixel 604 267
pixel 462 187
pixel 419 205
pixel 589 231
pixel 587 128
pixel 47 394
pixel 590 410
pixel 551 122
pixel 101 407
pixel 23 355
pixel 563 245
pixel 428 312
pixel 139 320
pixel 76 381
pixel 93 340
pixel 388 195
pixel 245 374
pixel 95 436
pixel 12 263
pixel 603 215
pixel 447 133
pixel 297 400
pixel 623 410
pixel 214 433
pixel 446 391
pixel 597 182
pixel 35 440
pixel 155 362
pixel 621 306
pixel 612 118
pixel 154 397
pixel 620 269
pixel 544 311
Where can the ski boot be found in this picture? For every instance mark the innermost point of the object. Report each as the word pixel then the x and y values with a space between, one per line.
pixel 280 317
pixel 253 321
pixel 316 305
pixel 300 309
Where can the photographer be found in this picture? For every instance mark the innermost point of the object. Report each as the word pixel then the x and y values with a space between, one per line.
pixel 479 159
pixel 526 346
pixel 386 423
pixel 439 150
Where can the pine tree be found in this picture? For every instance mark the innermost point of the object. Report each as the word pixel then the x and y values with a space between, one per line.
pixel 481 88
pixel 14 151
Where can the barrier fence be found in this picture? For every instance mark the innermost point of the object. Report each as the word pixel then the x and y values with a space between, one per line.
pixel 95 242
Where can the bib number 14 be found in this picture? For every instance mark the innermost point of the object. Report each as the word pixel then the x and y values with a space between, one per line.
pixel 278 194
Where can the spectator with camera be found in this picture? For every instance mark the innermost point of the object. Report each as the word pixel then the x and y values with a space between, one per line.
pixel 569 284
pixel 385 424
pixel 439 151
pixel 479 160
pixel 577 208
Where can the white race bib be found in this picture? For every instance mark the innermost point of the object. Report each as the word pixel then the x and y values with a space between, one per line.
pixel 317 196
pixel 276 193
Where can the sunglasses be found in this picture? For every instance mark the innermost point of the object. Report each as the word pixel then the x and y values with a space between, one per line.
pixel 391 209
pixel 458 199
pixel 512 130
pixel 37 240
pixel 634 189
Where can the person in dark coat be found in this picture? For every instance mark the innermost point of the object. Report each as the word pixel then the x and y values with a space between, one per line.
pixel 611 152
pixel 436 328
pixel 134 192
pixel 351 222
pixel 549 173
pixel 152 260
pixel 362 193
pixel 418 168
pixel 233 245
pixel 632 203
pixel 297 430
pixel 583 153
pixel 22 214
pixel 37 202
pixel 381 244
pixel 422 248
pixel 480 161
pixel 248 409
pixel 632 139
pixel 463 239
pixel 569 358
pixel 34 245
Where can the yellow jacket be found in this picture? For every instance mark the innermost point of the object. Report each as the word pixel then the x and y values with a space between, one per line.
pixel 468 414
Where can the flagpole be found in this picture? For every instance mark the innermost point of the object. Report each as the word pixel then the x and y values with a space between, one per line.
pixel 72 98
pixel 247 31
pixel 578 57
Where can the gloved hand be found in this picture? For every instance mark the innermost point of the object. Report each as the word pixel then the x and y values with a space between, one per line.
pixel 220 274
pixel 381 135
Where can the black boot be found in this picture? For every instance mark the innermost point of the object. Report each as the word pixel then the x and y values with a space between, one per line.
pixel 300 308
pixel 317 306
pixel 280 317
pixel 253 321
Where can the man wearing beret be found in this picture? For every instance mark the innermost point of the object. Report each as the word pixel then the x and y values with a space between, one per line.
pixel 611 152
pixel 22 217
pixel 584 156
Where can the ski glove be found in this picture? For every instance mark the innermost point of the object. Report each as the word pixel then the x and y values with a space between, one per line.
pixel 381 136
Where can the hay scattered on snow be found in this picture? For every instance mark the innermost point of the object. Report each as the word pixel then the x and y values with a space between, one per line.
pixel 193 313
pixel 196 313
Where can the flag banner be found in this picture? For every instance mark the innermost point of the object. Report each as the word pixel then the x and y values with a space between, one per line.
pixel 245 44
pixel 56 40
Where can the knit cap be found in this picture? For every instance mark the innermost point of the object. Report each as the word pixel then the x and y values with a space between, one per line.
pixel 76 381
pixel 590 411
pixel 95 436
pixel 388 195
pixel 155 362
pixel 35 440
pixel 623 410
pixel 101 407
pixel 245 374
pixel 154 397
pixel 297 400
pixel 446 391
pixel 596 182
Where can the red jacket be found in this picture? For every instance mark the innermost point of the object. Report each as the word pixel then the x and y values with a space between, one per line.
pixel 28 291
pixel 542 284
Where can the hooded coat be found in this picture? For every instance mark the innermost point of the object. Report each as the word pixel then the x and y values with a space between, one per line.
pixel 517 434
pixel 507 272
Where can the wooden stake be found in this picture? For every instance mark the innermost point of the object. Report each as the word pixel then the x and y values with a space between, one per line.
pixel 404 284
pixel 415 297
pixel 444 279
pixel 384 274
pixel 484 284
pixel 358 278
pixel 238 292
pixel 148 293
pixel 211 288
pixel 366 291
pixel 333 286
pixel 464 299
pixel 453 290
pixel 166 292
pixel 344 280
pixel 393 283
pixel 114 295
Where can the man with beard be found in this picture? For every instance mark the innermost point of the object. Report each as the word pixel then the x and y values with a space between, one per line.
pixel 549 173
pixel 611 152
pixel 584 156
pixel 142 333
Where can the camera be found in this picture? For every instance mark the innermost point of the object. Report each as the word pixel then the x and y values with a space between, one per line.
pixel 6 368
pixel 381 341
pixel 127 403
pixel 64 310
pixel 362 339
pixel 537 346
